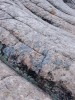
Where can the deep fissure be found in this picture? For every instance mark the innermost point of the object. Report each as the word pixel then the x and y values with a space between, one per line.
pixel 56 90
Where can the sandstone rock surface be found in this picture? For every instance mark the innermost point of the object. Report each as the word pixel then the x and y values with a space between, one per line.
pixel 38 36
pixel 14 87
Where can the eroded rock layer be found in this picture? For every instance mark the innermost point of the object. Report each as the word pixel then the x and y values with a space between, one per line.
pixel 14 87
pixel 37 37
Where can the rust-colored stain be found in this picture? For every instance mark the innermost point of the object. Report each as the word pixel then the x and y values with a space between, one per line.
pixel 53 12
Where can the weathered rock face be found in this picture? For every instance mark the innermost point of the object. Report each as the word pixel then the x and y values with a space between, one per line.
pixel 14 87
pixel 37 37
pixel 71 3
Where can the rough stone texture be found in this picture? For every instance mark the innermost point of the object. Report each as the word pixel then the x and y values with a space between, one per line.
pixel 71 3
pixel 40 35
pixel 14 87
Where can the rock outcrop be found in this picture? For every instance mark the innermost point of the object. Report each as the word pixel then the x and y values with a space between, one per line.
pixel 14 87
pixel 37 37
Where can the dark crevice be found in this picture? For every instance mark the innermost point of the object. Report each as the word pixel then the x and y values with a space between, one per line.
pixel 54 89
pixel 3 46
pixel 68 1
pixel 49 21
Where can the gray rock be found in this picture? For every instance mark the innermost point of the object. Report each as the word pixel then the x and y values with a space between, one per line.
pixel 39 35
pixel 14 87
